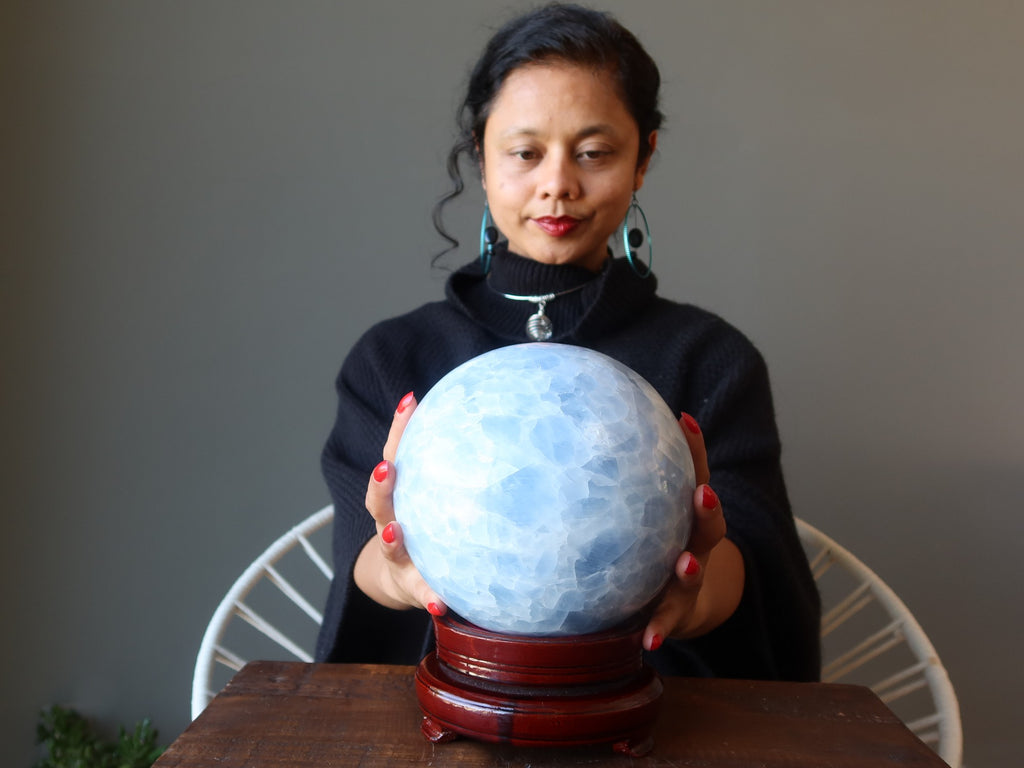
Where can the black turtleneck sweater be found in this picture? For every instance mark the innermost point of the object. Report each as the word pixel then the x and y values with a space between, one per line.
pixel 695 360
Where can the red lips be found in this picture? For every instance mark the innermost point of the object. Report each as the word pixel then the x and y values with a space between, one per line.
pixel 557 226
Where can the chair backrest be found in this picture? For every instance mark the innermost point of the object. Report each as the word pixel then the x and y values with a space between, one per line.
pixel 277 590
pixel 869 637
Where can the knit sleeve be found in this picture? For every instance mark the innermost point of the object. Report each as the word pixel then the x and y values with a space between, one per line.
pixel 774 631
pixel 355 628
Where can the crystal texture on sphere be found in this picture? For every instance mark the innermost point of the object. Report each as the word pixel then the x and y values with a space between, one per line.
pixel 544 489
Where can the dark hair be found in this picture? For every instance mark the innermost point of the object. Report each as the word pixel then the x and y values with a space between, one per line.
pixel 555 32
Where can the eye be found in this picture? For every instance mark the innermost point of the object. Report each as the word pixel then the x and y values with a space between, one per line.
pixel 526 155
pixel 593 155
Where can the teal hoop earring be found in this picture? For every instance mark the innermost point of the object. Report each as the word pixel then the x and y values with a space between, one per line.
pixel 488 237
pixel 633 238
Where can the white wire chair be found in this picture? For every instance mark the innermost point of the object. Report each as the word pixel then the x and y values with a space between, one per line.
pixel 869 637
pixel 277 589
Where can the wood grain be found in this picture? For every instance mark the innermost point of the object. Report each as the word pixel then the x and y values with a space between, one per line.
pixel 291 714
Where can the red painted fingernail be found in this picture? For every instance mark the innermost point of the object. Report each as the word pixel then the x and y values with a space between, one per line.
pixel 388 534
pixel 691 423
pixel 708 498
pixel 380 472
pixel 434 609
pixel 692 566
pixel 656 642
pixel 405 402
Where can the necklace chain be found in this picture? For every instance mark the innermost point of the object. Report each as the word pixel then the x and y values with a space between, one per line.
pixel 538 326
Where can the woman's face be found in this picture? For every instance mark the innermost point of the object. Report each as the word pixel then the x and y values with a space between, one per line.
pixel 560 162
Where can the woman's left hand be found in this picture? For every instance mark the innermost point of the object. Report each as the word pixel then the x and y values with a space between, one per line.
pixel 708 580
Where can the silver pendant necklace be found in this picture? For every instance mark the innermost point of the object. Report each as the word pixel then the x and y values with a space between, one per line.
pixel 539 326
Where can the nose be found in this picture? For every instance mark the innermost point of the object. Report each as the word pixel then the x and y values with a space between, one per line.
pixel 559 179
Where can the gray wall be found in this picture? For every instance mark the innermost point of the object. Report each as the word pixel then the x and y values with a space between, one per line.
pixel 205 203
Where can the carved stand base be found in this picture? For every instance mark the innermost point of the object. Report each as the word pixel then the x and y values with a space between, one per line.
pixel 538 691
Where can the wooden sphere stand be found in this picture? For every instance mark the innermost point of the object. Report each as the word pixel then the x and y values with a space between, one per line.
pixel 539 691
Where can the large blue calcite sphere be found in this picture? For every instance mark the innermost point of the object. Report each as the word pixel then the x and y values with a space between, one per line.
pixel 544 489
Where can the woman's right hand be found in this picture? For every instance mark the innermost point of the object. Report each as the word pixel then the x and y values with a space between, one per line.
pixel 383 569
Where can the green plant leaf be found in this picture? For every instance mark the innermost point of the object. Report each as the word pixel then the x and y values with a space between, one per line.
pixel 71 742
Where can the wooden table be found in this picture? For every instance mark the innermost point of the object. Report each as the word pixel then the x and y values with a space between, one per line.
pixel 291 714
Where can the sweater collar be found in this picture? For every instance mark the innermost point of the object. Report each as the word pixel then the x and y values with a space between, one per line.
pixel 607 300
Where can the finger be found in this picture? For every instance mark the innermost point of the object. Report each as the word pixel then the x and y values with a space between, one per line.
pixel 708 522
pixel 695 439
pixel 380 494
pixel 665 616
pixel 409 578
pixel 403 413
pixel 677 605
pixel 689 571
pixel 655 632
pixel 392 544
pixel 430 600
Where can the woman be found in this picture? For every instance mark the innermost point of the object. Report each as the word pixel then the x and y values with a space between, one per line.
pixel 561 117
